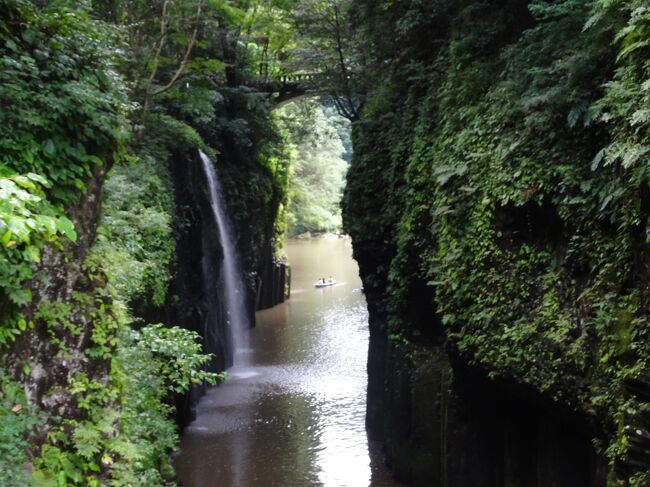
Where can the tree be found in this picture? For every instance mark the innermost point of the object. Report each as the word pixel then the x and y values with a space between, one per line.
pixel 328 46
pixel 317 167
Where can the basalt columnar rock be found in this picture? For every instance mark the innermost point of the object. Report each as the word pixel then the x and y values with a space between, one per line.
pixel 252 195
pixel 502 242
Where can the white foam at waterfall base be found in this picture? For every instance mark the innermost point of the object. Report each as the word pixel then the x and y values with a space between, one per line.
pixel 233 292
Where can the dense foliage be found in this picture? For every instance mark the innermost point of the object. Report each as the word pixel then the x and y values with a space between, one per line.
pixel 138 255
pixel 18 422
pixel 99 106
pixel 315 138
pixel 507 159
pixel 27 223
pixel 66 108
pixel 107 100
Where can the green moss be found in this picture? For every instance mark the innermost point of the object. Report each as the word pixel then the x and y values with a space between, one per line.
pixel 488 193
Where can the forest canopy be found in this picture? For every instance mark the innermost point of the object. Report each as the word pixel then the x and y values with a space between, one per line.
pixel 319 147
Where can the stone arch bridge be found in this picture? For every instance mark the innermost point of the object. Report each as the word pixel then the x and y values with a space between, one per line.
pixel 288 87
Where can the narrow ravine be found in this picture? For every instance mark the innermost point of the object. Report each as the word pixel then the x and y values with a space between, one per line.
pixel 296 415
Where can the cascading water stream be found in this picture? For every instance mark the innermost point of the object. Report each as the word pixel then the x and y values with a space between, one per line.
pixel 233 291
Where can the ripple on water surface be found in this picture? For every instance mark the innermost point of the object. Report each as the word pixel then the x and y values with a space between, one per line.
pixel 295 416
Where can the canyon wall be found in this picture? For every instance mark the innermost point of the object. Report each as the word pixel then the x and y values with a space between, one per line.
pixel 502 243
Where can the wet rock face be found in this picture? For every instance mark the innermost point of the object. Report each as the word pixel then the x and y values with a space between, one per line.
pixel 443 424
pixel 198 257
pixel 502 435
pixel 197 304
pixel 273 283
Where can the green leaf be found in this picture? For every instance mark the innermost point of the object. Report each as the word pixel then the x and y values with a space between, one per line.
pixel 25 182
pixel 20 296
pixel 33 253
pixel 6 237
pixel 87 440
pixel 47 222
pixel 599 157
pixel 38 178
pixel 65 226
pixel 94 159
pixel 29 36
pixel 49 147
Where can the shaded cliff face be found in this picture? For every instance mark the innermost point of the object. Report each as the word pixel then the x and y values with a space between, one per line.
pixel 504 265
pixel 252 176
pixel 252 195
pixel 57 320
pixel 197 253
pixel 69 288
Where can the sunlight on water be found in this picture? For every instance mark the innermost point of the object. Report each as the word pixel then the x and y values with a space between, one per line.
pixel 294 416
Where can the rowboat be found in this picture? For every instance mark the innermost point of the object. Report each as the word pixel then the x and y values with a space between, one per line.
pixel 325 284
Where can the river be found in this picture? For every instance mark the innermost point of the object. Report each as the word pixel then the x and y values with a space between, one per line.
pixel 295 416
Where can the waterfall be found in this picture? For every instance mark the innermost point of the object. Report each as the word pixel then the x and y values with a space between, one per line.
pixel 233 284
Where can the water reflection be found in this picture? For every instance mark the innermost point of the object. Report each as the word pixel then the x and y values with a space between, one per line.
pixel 295 417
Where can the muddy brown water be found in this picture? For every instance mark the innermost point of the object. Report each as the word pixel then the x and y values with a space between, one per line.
pixel 295 416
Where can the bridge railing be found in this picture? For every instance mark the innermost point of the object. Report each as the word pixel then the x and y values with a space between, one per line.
pixel 289 79
pixel 300 77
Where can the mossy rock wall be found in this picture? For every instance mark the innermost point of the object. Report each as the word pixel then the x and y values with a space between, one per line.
pixel 252 196
pixel 497 242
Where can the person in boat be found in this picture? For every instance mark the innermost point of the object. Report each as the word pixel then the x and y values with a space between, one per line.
pixel 330 279
pixel 322 280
